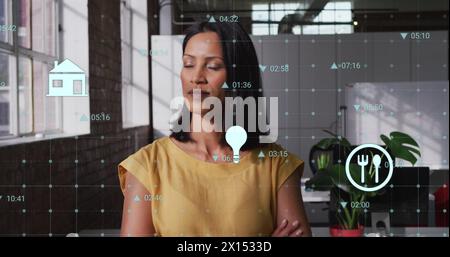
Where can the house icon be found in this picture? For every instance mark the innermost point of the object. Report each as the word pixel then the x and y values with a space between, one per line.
pixel 67 79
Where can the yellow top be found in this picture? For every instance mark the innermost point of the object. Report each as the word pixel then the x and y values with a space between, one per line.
pixel 191 197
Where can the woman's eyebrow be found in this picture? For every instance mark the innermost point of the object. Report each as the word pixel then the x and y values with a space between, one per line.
pixel 207 57
pixel 213 57
pixel 187 55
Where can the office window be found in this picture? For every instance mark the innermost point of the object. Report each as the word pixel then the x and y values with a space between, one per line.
pixel 7 67
pixel 27 50
pixel 24 23
pixel 135 69
pixel 47 110
pixel 260 13
pixel 334 12
pixel 44 27
pixel 25 95
pixel 7 27
pixel 335 18
pixel 265 17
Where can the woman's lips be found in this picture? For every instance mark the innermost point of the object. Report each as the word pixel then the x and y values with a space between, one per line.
pixel 202 93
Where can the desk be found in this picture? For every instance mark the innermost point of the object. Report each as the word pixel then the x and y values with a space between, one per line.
pixel 313 196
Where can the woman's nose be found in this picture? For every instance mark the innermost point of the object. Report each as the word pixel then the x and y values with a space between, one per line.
pixel 198 77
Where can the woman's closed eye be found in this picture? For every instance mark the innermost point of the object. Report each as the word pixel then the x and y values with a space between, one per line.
pixel 214 66
pixel 209 65
pixel 188 65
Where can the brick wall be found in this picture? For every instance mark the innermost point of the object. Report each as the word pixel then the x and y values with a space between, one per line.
pixel 83 170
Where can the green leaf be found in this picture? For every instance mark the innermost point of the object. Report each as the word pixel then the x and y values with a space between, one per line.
pixel 321 181
pixel 340 179
pixel 330 133
pixel 400 145
pixel 341 140
pixel 386 140
pixel 414 150
pixel 326 143
pixel 403 138
pixel 323 161
pixel 345 142
pixel 401 152
pixel 371 194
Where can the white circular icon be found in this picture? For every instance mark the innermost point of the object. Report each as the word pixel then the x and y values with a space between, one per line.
pixel 365 162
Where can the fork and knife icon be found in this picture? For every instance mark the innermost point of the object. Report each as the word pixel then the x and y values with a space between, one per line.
pixel 363 161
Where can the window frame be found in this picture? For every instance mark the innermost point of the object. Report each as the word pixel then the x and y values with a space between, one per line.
pixel 13 49
pixel 126 39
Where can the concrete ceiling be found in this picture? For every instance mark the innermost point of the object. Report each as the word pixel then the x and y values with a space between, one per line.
pixel 204 6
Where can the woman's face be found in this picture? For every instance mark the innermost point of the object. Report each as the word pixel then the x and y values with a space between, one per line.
pixel 203 68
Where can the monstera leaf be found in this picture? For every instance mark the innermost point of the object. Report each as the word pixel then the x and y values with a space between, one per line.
pixel 402 146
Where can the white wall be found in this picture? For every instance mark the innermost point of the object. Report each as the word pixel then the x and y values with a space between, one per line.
pixel 422 114
pixel 166 82
pixel 74 40
pixel 137 98
pixel 312 85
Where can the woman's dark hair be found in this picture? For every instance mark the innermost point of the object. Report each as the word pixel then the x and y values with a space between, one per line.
pixel 241 64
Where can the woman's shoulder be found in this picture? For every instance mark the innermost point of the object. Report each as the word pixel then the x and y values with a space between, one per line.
pixel 161 142
pixel 284 163
pixel 155 146
pixel 142 164
pixel 150 151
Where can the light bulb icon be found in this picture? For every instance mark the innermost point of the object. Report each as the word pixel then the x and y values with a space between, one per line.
pixel 236 137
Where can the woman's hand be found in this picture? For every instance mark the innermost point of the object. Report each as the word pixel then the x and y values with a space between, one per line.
pixel 291 216
pixel 288 229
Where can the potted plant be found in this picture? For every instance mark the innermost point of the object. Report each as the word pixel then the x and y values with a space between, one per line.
pixel 348 201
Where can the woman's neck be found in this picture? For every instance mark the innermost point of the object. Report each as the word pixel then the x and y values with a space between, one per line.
pixel 207 142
